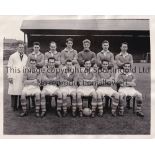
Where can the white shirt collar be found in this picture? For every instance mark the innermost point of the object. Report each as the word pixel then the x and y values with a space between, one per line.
pixel 105 51
pixel 35 53
pixel 124 54
pixel 20 53
pixel 55 52
pixel 68 50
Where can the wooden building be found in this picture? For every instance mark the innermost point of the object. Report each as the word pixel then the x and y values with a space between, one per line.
pixel 134 31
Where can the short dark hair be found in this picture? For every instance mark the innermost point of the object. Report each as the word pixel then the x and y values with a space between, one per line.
pixel 127 63
pixel 86 61
pixel 104 60
pixel 51 58
pixel 32 59
pixel 105 41
pixel 36 43
pixel 68 60
pixel 53 42
pixel 124 43
pixel 69 39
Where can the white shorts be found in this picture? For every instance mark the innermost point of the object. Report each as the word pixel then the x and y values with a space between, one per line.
pixel 31 90
pixel 86 90
pixel 129 91
pixel 50 89
pixel 67 90
pixel 108 91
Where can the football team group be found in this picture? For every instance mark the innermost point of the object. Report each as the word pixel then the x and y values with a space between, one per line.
pixel 73 75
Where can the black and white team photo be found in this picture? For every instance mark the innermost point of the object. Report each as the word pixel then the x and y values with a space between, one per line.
pixel 78 77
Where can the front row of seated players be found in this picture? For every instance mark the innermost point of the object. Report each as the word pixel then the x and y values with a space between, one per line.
pixel 127 83
pixel 64 82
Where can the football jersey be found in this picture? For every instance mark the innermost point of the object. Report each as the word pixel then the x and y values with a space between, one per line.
pixel 123 58
pixel 86 55
pixel 51 73
pixel 129 77
pixel 68 75
pixel 85 75
pixel 54 54
pixel 30 74
pixel 104 76
pixel 105 56
pixel 49 76
pixel 39 57
pixel 68 54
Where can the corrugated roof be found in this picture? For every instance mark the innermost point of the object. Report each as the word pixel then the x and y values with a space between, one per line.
pixel 90 24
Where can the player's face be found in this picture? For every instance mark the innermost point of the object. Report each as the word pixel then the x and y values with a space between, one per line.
pixel 69 44
pixel 36 48
pixel 105 46
pixel 21 48
pixel 69 65
pixel 51 62
pixel 32 64
pixel 86 46
pixel 124 47
pixel 87 64
pixel 53 47
pixel 127 68
pixel 105 64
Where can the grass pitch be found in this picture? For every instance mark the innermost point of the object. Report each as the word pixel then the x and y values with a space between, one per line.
pixel 129 124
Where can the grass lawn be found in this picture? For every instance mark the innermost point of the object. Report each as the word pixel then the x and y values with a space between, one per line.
pixel 51 124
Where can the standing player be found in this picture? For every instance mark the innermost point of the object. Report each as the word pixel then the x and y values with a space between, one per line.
pixel 37 55
pixel 105 54
pixel 69 53
pixel 105 81
pixel 127 84
pixel 123 57
pixel 31 87
pixel 86 54
pixel 53 53
pixel 17 61
pixel 68 86
pixel 50 80
pixel 87 78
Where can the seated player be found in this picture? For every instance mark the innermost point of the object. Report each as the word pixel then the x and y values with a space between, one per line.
pixel 53 53
pixel 31 88
pixel 50 79
pixel 105 81
pixel 87 80
pixel 127 83
pixel 105 54
pixel 69 53
pixel 68 85
pixel 86 54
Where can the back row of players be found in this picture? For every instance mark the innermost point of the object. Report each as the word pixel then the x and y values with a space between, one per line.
pixel 79 58
pixel 59 78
